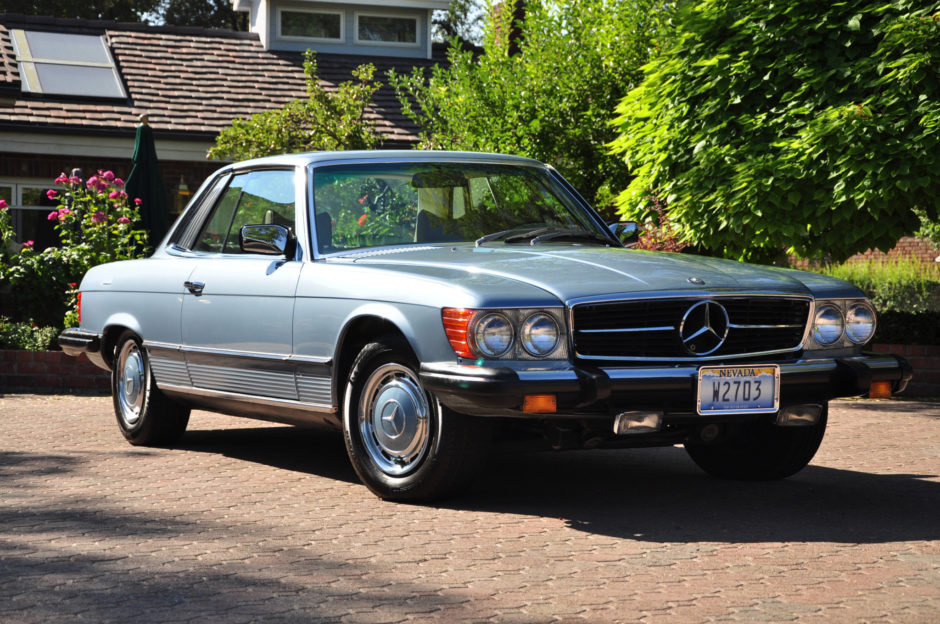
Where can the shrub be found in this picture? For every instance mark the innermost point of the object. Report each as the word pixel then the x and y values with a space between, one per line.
pixel 95 223
pixel 25 336
pixel 901 285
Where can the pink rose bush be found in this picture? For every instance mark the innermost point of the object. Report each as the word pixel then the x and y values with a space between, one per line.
pixel 95 221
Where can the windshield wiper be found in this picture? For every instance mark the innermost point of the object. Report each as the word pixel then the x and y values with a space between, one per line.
pixel 572 235
pixel 543 233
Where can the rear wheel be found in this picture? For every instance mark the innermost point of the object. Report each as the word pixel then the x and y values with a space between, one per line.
pixel 145 415
pixel 759 450
pixel 403 443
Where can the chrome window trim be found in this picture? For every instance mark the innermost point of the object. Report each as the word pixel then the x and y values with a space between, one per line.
pixel 715 295
pixel 253 355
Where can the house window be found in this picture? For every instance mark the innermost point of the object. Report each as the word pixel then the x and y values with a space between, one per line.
pixel 29 211
pixel 66 64
pixel 310 25
pixel 386 29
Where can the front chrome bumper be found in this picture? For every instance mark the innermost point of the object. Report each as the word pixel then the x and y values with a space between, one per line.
pixel 603 391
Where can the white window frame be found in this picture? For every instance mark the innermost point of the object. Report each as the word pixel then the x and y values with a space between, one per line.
pixel 342 25
pixel 396 44
pixel 16 201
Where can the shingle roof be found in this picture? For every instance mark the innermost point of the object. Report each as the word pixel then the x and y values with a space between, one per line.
pixel 191 82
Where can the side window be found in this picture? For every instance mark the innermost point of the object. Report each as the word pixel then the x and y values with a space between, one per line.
pixel 254 198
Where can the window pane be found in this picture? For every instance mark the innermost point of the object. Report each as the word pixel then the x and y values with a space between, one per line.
pixel 36 227
pixel 393 29
pixel 252 198
pixel 6 192
pixel 67 47
pixel 78 80
pixel 35 197
pixel 311 25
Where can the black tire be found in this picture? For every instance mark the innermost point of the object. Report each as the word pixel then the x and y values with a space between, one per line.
pixel 759 450
pixel 144 414
pixel 402 442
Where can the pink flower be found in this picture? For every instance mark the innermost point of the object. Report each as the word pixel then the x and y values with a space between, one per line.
pixel 51 193
pixel 64 212
pixel 53 215
pixel 28 244
pixel 362 220
pixel 118 182
pixel 102 186
pixel 123 220
pixel 92 182
pixel 363 198
pixel 108 175
pixel 138 201
pixel 75 180
pixel 62 179
pixel 98 217
pixel 113 195
pixel 3 204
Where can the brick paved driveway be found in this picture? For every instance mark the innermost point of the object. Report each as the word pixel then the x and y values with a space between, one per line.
pixel 246 522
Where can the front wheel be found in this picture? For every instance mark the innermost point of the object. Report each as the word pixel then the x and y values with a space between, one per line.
pixel 759 450
pixel 402 442
pixel 145 415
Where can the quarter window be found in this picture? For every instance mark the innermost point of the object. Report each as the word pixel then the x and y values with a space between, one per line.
pixel 255 198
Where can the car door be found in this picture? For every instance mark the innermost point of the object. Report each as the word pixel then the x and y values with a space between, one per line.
pixel 237 311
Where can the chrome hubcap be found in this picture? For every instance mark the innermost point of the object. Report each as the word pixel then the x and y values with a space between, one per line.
pixel 393 419
pixel 130 386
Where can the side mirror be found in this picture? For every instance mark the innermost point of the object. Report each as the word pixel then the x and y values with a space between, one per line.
pixel 270 240
pixel 627 232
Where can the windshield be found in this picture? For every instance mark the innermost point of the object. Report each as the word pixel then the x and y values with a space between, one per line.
pixel 370 205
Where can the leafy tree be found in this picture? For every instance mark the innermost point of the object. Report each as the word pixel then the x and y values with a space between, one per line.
pixel 206 14
pixel 806 126
pixel 462 20
pixel 324 121
pixel 119 10
pixel 552 100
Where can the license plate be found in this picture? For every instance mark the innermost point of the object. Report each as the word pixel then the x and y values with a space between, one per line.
pixel 739 389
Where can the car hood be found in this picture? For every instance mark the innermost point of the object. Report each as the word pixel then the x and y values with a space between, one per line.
pixel 572 272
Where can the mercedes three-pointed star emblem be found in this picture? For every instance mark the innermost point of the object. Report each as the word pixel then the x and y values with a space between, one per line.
pixel 704 328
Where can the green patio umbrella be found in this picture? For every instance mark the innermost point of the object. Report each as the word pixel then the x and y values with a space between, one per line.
pixel 145 182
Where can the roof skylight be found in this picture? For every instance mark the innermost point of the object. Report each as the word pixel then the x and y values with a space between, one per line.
pixel 66 64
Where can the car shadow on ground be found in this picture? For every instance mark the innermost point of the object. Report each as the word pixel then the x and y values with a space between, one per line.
pixel 659 495
pixel 310 451
pixel 654 494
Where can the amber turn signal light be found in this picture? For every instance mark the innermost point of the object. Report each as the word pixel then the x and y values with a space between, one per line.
pixel 880 390
pixel 539 404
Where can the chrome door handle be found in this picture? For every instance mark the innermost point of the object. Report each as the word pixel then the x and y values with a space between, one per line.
pixel 194 287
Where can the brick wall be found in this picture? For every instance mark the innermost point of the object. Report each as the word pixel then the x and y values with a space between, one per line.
pixel 908 246
pixel 51 372
pixel 54 372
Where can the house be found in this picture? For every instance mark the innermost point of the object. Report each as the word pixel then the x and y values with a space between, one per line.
pixel 72 91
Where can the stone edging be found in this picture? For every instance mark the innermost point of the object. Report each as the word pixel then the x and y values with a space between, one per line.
pixel 54 372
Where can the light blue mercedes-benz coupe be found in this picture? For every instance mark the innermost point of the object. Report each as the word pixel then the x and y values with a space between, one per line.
pixel 427 302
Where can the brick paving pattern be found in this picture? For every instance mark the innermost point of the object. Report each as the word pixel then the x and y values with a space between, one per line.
pixel 250 522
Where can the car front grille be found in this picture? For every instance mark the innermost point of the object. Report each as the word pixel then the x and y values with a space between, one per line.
pixel 650 328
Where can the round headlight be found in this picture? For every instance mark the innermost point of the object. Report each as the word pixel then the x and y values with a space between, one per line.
pixel 860 323
pixel 493 335
pixel 828 325
pixel 539 334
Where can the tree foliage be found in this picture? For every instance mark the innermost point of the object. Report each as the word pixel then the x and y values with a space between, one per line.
pixel 205 14
pixel 326 120
pixel 118 10
pixel 802 125
pixel 552 100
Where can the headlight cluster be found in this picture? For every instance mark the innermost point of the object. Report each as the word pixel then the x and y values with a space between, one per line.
pixel 843 322
pixel 506 334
